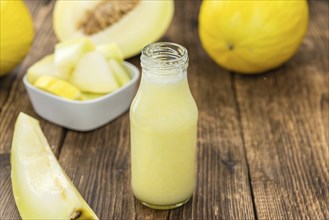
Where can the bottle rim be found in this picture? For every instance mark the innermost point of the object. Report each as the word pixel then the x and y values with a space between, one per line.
pixel 164 56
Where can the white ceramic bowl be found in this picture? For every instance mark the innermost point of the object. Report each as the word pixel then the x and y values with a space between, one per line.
pixel 83 115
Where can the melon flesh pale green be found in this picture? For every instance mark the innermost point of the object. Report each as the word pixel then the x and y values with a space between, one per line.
pixel 92 74
pixel 143 23
pixel 41 188
pixel 111 51
pixel 68 53
pixel 80 70
pixel 119 72
pixel 45 66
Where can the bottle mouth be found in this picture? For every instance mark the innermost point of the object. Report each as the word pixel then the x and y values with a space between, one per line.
pixel 164 56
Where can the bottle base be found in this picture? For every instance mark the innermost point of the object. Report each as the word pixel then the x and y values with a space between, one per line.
pixel 163 207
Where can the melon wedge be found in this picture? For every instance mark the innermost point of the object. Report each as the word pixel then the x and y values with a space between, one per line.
pixel 111 51
pixel 85 96
pixel 57 87
pixel 119 72
pixel 142 22
pixel 92 74
pixel 68 53
pixel 41 188
pixel 45 66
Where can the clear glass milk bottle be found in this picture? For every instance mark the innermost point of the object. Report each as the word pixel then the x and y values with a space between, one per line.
pixel 163 123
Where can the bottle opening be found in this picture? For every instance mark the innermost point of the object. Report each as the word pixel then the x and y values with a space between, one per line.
pixel 164 56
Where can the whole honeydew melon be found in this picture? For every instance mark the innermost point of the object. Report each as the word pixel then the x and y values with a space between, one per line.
pixel 252 36
pixel 16 34
pixel 130 24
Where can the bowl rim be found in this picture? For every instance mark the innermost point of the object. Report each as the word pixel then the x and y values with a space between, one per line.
pixel 132 69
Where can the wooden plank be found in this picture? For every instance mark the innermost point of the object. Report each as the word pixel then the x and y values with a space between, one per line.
pixel 99 162
pixel 7 80
pixel 18 101
pixel 284 116
pixel 8 208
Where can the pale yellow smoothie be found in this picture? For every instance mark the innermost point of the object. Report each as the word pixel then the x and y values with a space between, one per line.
pixel 163 120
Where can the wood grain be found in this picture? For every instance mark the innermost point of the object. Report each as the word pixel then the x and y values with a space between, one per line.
pixel 222 185
pixel 17 100
pixel 262 140
pixel 7 80
pixel 284 126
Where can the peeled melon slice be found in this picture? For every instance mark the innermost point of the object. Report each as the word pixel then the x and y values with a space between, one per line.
pixel 68 53
pixel 111 51
pixel 41 188
pixel 57 87
pixel 45 66
pixel 85 96
pixel 119 71
pixel 92 74
pixel 130 24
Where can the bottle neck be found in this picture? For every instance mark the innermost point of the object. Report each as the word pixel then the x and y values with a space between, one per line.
pixel 164 62
pixel 164 76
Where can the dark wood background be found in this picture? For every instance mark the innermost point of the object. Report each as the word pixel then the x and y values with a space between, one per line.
pixel 263 140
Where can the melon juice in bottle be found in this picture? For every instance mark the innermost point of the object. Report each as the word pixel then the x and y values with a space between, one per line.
pixel 163 120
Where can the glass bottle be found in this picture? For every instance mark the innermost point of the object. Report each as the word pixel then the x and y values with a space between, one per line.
pixel 163 123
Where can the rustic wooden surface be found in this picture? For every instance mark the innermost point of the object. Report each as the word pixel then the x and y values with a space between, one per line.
pixel 263 140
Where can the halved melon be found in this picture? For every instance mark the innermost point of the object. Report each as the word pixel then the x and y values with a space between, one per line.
pixel 130 24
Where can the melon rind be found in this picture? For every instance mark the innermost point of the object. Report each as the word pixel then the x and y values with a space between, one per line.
pixel 41 188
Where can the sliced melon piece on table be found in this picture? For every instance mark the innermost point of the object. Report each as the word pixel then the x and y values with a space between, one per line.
pixel 119 71
pixel 58 87
pixel 130 24
pixel 41 188
pixel 68 53
pixel 45 66
pixel 92 74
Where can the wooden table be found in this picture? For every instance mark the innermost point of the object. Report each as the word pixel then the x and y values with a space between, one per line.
pixel 263 140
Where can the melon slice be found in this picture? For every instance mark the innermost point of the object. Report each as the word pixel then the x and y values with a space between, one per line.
pixel 85 96
pixel 130 24
pixel 45 66
pixel 57 87
pixel 92 74
pixel 119 71
pixel 111 51
pixel 68 53
pixel 41 188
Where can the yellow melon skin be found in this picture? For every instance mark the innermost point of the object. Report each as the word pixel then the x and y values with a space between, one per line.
pixel 143 25
pixel 252 36
pixel 16 34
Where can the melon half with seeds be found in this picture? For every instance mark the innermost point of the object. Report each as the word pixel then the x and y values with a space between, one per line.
pixel 130 24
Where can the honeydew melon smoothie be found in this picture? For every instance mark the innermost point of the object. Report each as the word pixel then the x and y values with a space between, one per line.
pixel 163 120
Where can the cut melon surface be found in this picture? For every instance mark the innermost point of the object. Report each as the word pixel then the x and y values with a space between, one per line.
pixel 119 72
pixel 45 66
pixel 85 96
pixel 92 74
pixel 41 188
pixel 58 87
pixel 143 23
pixel 68 53
pixel 111 51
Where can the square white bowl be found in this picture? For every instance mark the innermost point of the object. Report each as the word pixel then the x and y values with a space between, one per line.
pixel 84 115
